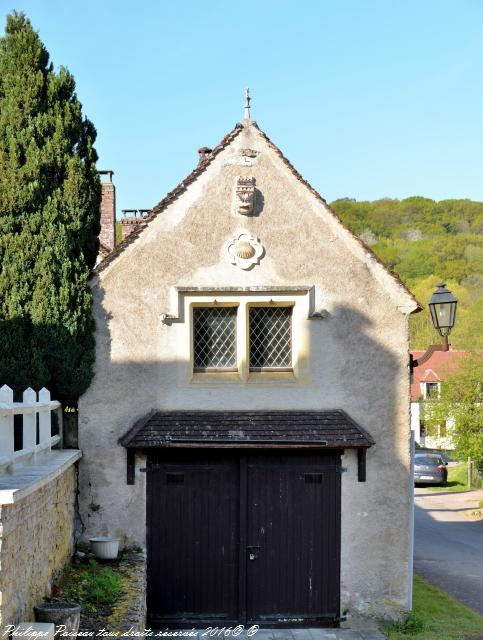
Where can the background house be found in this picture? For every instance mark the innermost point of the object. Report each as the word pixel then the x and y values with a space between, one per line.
pixel 426 386
pixel 240 329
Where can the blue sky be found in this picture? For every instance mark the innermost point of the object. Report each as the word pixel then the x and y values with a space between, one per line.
pixel 367 98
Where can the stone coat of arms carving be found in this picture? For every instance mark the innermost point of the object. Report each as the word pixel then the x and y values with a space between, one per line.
pixel 245 195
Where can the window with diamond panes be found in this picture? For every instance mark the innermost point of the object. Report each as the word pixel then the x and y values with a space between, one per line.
pixel 270 338
pixel 214 331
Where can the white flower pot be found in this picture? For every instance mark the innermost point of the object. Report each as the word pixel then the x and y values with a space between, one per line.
pixel 105 548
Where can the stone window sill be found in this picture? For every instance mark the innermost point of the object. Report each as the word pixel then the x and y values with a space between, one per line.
pixel 271 377
pixel 211 377
pixel 254 377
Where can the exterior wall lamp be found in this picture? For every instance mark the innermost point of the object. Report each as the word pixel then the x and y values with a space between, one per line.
pixel 443 314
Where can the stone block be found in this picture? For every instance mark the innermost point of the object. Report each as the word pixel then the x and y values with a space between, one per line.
pixel 302 634
pixel 348 634
pixel 323 634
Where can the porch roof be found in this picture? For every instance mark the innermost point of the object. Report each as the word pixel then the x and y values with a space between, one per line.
pixel 256 429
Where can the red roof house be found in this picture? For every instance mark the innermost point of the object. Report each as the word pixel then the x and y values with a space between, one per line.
pixel 436 369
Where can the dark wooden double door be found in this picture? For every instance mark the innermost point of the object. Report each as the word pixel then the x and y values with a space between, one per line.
pixel 243 539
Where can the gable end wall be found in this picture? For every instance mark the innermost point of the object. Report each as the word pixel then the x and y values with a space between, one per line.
pixel 355 359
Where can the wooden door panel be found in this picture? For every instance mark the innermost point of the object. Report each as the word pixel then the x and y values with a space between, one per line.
pixel 292 511
pixel 193 532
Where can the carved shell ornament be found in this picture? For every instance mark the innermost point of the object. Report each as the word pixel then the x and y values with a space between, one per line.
pixel 245 251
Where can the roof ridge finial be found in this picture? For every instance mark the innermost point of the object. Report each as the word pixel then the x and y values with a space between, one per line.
pixel 247 104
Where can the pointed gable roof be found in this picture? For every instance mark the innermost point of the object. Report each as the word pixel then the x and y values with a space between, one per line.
pixel 430 376
pixel 171 197
pixel 201 168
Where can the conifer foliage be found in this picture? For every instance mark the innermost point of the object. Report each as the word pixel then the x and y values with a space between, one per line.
pixel 49 221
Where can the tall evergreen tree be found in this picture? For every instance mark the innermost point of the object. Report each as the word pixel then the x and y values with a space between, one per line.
pixel 49 221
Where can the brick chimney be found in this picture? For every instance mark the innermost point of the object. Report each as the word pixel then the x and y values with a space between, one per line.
pixel 131 220
pixel 203 153
pixel 107 236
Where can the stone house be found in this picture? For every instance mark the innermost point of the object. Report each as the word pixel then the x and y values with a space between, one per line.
pixel 248 423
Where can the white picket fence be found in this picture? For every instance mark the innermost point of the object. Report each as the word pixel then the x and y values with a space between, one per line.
pixel 29 409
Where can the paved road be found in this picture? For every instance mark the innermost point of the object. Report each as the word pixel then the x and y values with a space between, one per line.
pixel 448 547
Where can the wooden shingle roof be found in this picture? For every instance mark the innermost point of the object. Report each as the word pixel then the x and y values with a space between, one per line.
pixel 235 429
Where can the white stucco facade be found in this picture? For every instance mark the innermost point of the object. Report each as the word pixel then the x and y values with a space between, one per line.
pixel 351 355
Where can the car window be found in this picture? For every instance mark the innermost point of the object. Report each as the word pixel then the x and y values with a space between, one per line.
pixel 430 460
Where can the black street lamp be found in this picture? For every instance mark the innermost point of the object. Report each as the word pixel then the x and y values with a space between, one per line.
pixel 443 314
pixel 443 310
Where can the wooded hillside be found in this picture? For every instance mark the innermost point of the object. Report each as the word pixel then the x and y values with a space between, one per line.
pixel 426 242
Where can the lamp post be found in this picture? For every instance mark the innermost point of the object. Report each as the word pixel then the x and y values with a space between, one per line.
pixel 443 314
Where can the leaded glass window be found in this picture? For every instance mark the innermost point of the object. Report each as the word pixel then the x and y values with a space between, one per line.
pixel 214 331
pixel 270 338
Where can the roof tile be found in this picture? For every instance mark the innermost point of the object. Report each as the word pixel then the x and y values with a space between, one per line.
pixel 332 429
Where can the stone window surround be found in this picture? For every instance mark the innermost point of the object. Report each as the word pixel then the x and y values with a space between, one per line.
pixel 299 298
pixel 243 307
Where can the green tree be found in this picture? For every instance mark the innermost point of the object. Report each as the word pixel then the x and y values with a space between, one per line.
pixel 461 400
pixel 49 221
pixel 426 242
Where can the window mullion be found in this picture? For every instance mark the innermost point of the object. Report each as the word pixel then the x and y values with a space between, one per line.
pixel 243 340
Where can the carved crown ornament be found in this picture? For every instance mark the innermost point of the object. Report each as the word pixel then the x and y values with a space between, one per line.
pixel 245 251
pixel 248 157
pixel 244 195
pixel 248 153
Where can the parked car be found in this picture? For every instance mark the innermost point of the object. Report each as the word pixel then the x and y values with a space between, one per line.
pixel 430 468
pixel 444 453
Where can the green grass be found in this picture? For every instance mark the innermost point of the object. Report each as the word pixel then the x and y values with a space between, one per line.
pixel 436 616
pixel 457 479
pixel 91 585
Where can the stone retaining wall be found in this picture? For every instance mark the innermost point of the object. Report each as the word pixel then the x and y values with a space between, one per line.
pixel 36 541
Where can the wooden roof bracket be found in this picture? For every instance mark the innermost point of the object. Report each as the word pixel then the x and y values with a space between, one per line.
pixel 361 464
pixel 131 468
